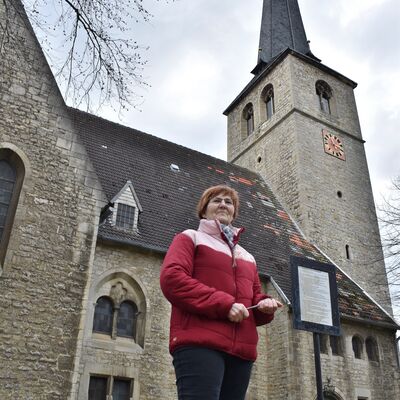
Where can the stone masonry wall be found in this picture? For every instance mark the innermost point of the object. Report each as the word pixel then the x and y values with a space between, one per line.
pixel 150 366
pixel 49 253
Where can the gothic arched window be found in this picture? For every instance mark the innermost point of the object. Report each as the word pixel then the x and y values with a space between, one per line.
pixel 103 316
pixel 120 310
pixel 12 173
pixel 372 349
pixel 268 99
pixel 357 345
pixel 126 321
pixel 248 116
pixel 324 93
pixel 8 177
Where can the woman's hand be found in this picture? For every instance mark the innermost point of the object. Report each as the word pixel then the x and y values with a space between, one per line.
pixel 269 305
pixel 238 312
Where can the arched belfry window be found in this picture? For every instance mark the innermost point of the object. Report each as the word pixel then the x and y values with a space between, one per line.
pixel 12 173
pixel 267 97
pixel 324 93
pixel 248 117
pixel 126 322
pixel 372 349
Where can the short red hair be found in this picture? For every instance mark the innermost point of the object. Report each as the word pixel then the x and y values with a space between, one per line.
pixel 214 191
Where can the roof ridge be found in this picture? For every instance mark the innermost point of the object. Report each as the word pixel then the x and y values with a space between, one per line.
pixel 76 110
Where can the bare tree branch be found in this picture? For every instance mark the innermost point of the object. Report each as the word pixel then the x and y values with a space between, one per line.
pixel 90 47
pixel 390 230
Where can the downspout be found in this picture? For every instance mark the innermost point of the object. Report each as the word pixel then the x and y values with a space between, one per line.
pixel 397 351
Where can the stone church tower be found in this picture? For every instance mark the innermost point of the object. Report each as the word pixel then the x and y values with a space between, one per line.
pixel 296 123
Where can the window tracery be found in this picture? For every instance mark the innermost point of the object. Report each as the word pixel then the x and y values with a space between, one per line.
pixel 324 93
pixel 268 98
pixel 248 116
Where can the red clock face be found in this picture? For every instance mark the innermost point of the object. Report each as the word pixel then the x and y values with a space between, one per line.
pixel 333 145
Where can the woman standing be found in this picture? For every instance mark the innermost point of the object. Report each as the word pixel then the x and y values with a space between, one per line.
pixel 215 292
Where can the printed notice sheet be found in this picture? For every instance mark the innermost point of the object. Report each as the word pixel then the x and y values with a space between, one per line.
pixel 315 296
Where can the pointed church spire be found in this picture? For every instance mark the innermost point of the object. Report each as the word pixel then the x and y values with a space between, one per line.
pixel 281 28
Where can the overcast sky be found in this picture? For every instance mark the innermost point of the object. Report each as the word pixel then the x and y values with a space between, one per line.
pixel 202 51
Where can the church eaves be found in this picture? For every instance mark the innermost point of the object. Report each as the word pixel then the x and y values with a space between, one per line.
pixel 281 28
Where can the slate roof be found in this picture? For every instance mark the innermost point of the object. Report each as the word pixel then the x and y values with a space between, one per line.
pixel 281 28
pixel 169 198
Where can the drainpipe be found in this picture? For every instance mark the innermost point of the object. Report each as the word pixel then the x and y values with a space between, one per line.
pixel 397 351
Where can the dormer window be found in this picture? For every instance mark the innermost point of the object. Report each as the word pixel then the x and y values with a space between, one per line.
pixel 125 216
pixel 324 93
pixel 125 213
pixel 248 116
pixel 268 100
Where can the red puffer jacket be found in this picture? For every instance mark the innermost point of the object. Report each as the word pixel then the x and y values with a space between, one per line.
pixel 202 279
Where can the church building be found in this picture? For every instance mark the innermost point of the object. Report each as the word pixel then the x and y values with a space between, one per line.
pixel 89 207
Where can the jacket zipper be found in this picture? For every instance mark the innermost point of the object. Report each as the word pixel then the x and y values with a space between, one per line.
pixel 234 277
pixel 235 283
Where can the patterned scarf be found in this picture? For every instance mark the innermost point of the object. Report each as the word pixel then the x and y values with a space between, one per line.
pixel 228 232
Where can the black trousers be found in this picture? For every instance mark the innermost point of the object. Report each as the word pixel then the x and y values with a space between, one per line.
pixel 206 374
